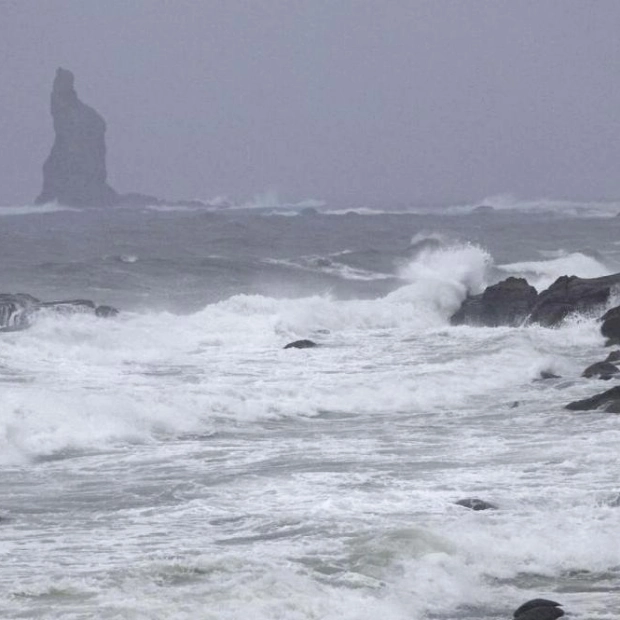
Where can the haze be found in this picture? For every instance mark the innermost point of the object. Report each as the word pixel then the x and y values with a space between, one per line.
pixel 408 101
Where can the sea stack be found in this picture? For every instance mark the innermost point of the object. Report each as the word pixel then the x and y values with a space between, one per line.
pixel 74 173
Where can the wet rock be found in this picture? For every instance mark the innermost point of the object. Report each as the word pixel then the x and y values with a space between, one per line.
pixel 570 295
pixel 301 344
pixel 105 311
pixel 538 609
pixel 16 311
pixel 74 174
pixel 614 356
pixel 506 303
pixel 547 374
pixel 608 400
pixel 611 328
pixel 473 503
pixel 602 370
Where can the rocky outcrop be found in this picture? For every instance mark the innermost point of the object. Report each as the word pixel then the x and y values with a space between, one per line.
pixel 602 370
pixel 75 174
pixel 571 295
pixel 513 301
pixel 301 344
pixel 611 325
pixel 609 401
pixel 506 303
pixel 538 609
pixel 473 503
pixel 19 311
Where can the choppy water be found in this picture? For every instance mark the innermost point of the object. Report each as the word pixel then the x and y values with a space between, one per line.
pixel 175 462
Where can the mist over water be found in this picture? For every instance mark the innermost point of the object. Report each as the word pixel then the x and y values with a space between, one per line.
pixel 176 462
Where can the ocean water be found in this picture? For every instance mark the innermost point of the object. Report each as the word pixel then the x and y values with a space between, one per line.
pixel 175 462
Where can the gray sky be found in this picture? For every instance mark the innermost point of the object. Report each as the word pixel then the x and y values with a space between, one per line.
pixel 346 100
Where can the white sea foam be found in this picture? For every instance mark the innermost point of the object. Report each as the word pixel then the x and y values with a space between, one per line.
pixel 51 207
pixel 542 274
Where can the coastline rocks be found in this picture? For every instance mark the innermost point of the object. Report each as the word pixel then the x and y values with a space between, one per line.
pixel 513 301
pixel 538 609
pixel 614 356
pixel 473 503
pixel 74 174
pixel 602 370
pixel 301 344
pixel 570 294
pixel 18 311
pixel 506 303
pixel 609 401
pixel 611 325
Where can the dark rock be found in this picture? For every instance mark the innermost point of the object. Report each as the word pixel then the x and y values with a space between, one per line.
pixel 301 344
pixel 19 311
pixel 483 209
pixel 614 356
pixel 610 400
pixel 309 212
pixel 602 370
pixel 105 311
pixel 75 174
pixel 569 295
pixel 16 311
pixel 515 404
pixel 539 609
pixel 476 504
pixel 611 329
pixel 612 313
pixel 546 374
pixel 506 303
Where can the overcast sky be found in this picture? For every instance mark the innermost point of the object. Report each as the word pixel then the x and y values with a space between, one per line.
pixel 438 101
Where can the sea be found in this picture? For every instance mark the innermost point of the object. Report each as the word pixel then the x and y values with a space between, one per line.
pixel 176 462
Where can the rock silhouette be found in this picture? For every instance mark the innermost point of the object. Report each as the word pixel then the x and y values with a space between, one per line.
pixel 75 173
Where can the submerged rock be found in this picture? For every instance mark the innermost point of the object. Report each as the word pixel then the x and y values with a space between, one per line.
pixel 473 503
pixel 301 344
pixel 538 609
pixel 506 303
pixel 609 400
pixel 547 374
pixel 74 173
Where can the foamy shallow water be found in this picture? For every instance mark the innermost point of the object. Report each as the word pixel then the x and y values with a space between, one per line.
pixel 172 466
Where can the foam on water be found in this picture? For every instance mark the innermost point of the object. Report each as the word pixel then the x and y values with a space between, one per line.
pixel 186 466
pixel 541 274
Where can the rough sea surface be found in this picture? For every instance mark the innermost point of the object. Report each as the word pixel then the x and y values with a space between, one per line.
pixel 175 463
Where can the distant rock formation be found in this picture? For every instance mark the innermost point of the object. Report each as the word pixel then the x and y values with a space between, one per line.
pixel 74 174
